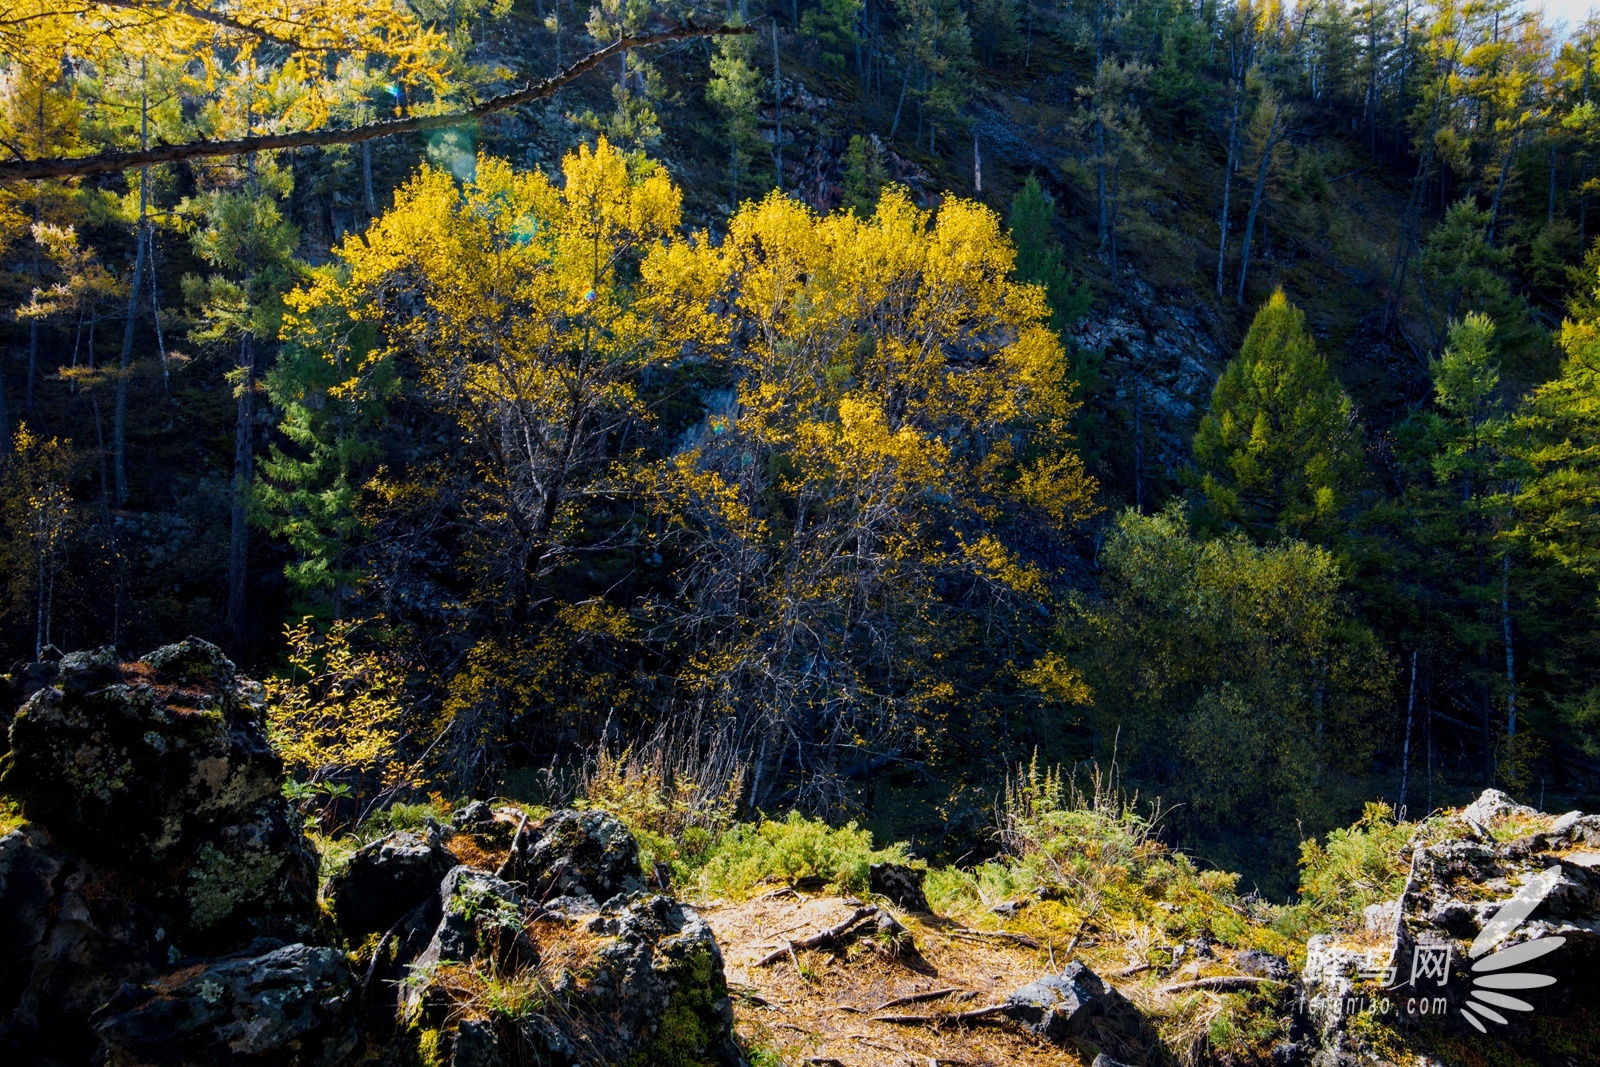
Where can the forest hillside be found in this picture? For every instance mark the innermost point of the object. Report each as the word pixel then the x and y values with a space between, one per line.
pixel 835 408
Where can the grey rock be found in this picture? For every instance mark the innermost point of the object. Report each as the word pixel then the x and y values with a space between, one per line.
pixel 1262 964
pixel 577 854
pixel 1564 825
pixel 900 883
pixel 157 834
pixel 1060 1007
pixel 1493 804
pixel 293 1005
pixel 123 763
pixel 387 878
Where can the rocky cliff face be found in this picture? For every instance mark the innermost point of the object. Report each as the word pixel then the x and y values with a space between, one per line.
pixel 160 906
pixel 1493 944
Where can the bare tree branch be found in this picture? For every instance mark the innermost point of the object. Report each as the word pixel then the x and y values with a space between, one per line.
pixel 109 162
pixel 179 7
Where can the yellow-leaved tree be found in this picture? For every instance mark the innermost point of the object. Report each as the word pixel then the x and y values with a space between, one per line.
pixel 510 303
pixel 337 718
pixel 850 517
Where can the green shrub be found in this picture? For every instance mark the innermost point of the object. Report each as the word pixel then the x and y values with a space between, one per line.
pixel 792 849
pixel 1358 866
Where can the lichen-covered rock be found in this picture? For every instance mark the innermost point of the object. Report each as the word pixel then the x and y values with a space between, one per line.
pixel 1061 1007
pixel 578 854
pixel 389 877
pixel 1505 876
pixel 124 762
pixel 295 1004
pixel 157 837
pixel 900 883
pixel 635 980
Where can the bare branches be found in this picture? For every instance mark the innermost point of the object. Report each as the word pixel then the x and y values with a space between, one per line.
pixel 110 162
pixel 200 14
pixel 822 937
pixel 1227 983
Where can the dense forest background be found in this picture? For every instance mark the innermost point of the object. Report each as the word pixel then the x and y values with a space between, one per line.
pixel 843 411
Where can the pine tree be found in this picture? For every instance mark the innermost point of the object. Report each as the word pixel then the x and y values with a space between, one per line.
pixel 735 91
pixel 864 175
pixel 1040 257
pixel 1279 451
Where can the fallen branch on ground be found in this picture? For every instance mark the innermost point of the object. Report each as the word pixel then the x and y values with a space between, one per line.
pixel 817 940
pixel 918 998
pixel 996 935
pixel 935 1020
pixel 1227 983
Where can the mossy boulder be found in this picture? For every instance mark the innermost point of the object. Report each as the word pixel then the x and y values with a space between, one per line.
pixel 129 762
pixel 158 845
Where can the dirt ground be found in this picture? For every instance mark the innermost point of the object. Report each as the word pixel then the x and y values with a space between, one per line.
pixel 822 1006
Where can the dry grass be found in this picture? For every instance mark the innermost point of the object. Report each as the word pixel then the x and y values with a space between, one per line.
pixel 825 1010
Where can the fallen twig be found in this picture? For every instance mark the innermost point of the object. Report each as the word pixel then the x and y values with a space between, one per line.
pixel 1227 983
pixel 918 998
pixel 935 1020
pixel 781 891
pixel 817 940
pixel 511 854
pixel 1128 972
pixel 996 935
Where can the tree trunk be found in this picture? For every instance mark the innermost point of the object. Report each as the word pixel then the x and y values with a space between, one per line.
pixel 904 85
pixel 1550 211
pixel 1267 148
pixel 1227 176
pixel 119 418
pixel 777 105
pixel 5 411
pixel 33 332
pixel 243 465
pixel 1505 631
pixel 1100 181
pixel 367 199
pixel 1405 750
pixel 1500 188
pixel 1138 443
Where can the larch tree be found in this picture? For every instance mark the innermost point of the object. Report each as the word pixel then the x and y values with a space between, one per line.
pixel 1279 450
pixel 897 391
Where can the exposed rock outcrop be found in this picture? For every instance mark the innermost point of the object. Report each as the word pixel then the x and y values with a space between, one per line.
pixel 1497 932
pixel 157 841
pixel 610 968
pixel 1061 1007
pixel 160 905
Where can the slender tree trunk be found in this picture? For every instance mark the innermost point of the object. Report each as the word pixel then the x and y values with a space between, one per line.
pixel 1500 188
pixel 1138 443
pixel 243 467
pixel 1550 211
pixel 119 417
pixel 895 125
pixel 1427 734
pixel 1405 750
pixel 5 411
pixel 1100 182
pixel 33 334
pixel 1505 632
pixel 367 199
pixel 1267 149
pixel 777 105
pixel 1227 176
pixel 1372 78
